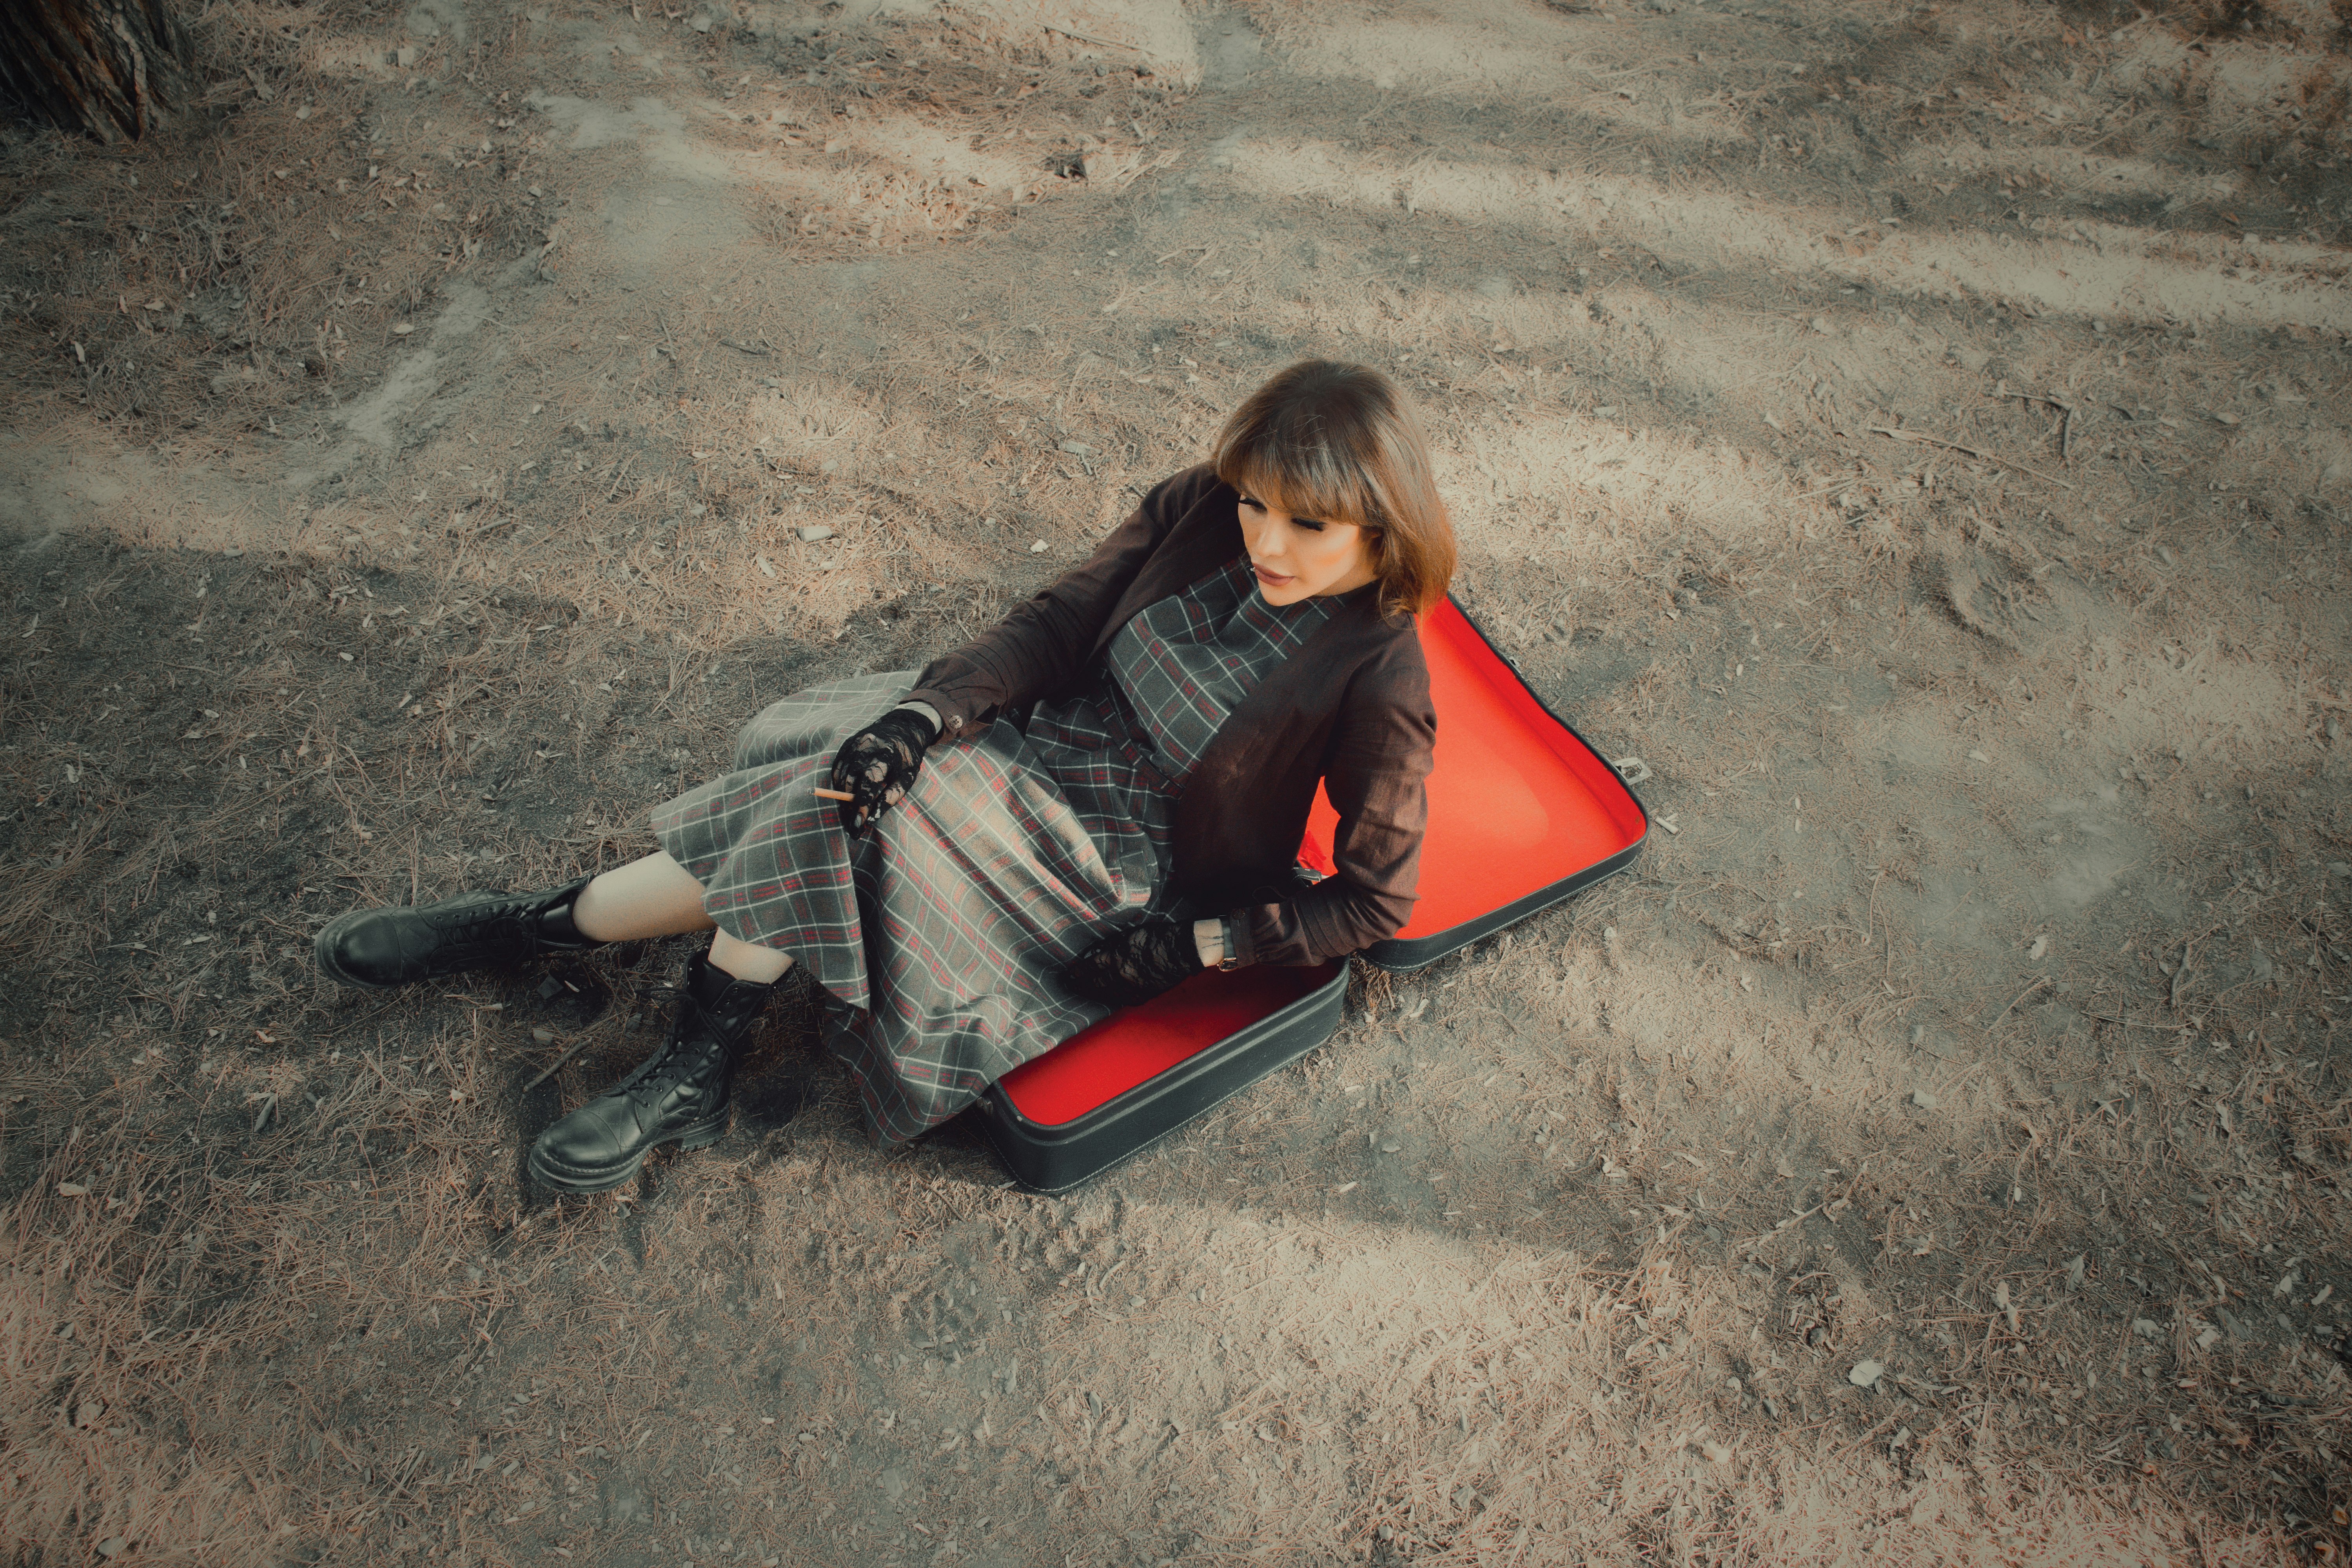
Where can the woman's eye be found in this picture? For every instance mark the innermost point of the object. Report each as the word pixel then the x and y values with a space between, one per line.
pixel 1253 504
pixel 1307 523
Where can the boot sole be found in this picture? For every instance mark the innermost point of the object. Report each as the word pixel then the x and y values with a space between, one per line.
pixel 575 1183
pixel 322 952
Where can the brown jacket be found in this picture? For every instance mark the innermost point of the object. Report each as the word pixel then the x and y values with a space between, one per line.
pixel 1351 709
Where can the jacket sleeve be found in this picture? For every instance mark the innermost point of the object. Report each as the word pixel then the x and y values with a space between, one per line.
pixel 1376 771
pixel 1038 649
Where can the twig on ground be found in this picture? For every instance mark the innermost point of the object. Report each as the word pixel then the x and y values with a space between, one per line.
pixel 2060 403
pixel 1087 38
pixel 618 475
pixel 2021 997
pixel 552 1067
pixel 1982 456
pixel 2065 415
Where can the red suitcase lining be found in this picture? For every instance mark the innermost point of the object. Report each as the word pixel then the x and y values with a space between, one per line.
pixel 1516 803
pixel 1099 1065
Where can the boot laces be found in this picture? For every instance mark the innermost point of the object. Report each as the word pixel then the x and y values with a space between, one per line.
pixel 694 1038
pixel 506 919
pixel 676 1060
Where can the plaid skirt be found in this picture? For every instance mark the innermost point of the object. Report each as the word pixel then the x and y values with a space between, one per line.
pixel 934 938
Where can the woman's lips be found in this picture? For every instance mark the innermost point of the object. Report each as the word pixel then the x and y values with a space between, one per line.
pixel 1272 579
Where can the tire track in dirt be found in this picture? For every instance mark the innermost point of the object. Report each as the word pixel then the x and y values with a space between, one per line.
pixel 2302 285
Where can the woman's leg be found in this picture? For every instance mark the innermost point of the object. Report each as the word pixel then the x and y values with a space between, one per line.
pixel 651 896
pixel 658 897
pixel 748 961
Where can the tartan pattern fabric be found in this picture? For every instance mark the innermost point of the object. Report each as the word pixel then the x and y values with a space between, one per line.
pixel 1179 667
pixel 935 939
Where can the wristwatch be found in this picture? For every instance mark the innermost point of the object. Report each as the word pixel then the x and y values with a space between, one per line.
pixel 1233 956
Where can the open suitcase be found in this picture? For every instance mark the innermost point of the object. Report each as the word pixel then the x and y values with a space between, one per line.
pixel 1522 814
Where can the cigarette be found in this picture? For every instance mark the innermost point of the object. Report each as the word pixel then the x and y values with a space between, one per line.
pixel 824 794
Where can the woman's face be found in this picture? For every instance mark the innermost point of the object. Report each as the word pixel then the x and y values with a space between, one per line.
pixel 1303 558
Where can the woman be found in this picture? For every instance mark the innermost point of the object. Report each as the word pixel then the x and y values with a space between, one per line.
pixel 1093 800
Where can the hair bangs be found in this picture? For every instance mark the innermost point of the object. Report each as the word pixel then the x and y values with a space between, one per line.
pixel 1312 482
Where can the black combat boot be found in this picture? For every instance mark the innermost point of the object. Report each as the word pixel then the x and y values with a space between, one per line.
pixel 386 947
pixel 680 1095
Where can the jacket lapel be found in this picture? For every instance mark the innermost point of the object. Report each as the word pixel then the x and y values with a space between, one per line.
pixel 1208 535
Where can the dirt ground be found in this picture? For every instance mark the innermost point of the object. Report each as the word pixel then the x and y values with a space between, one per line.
pixel 1921 434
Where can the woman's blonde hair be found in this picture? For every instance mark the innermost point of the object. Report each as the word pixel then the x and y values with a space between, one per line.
pixel 1341 443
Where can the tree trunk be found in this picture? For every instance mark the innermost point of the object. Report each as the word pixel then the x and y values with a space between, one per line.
pixel 109 67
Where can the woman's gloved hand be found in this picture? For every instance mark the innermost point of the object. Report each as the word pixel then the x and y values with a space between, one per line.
pixel 876 766
pixel 1130 967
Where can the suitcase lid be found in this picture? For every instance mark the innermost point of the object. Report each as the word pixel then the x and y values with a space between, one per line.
pixel 1522 812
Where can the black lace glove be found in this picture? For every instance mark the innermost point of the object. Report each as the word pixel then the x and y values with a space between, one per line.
pixel 876 766
pixel 1130 967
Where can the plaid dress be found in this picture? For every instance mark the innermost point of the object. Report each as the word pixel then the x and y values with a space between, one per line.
pixel 935 939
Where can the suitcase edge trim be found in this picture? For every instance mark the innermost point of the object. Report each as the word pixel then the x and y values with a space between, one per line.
pixel 1405 955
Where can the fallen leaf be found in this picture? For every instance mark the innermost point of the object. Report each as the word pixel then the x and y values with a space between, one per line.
pixel 1866 1374
pixel 72 1190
